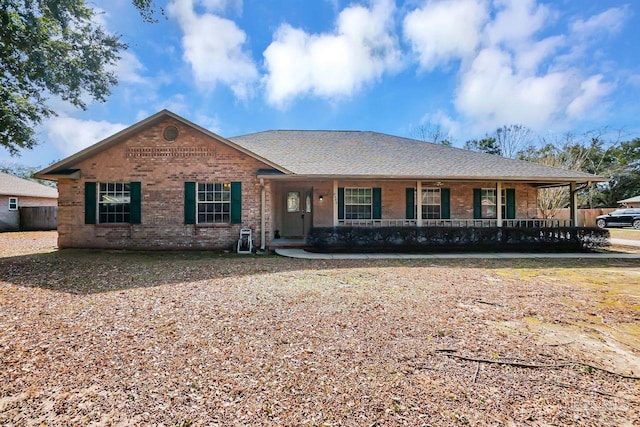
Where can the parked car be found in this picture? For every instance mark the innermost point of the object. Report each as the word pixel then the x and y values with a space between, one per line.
pixel 620 218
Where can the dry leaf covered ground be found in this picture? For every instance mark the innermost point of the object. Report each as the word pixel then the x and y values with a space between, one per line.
pixel 126 338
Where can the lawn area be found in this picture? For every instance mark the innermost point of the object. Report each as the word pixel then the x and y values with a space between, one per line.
pixel 625 233
pixel 197 338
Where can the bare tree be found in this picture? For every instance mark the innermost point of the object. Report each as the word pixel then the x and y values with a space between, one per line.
pixel 598 159
pixel 511 139
pixel 563 153
pixel 431 132
pixel 506 141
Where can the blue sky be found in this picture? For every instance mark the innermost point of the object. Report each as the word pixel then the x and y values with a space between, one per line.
pixel 468 66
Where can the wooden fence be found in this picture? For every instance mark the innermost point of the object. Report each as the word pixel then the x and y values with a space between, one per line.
pixel 39 218
pixel 586 217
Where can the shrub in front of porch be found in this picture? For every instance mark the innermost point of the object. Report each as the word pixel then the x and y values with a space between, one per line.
pixel 454 239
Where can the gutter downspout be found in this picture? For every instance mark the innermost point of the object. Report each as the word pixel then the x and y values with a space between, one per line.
pixel 263 232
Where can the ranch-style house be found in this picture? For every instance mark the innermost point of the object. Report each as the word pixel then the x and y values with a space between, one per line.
pixel 167 183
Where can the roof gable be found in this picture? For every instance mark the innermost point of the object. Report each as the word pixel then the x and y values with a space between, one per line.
pixel 65 167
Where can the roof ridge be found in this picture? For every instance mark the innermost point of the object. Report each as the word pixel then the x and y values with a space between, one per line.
pixel 334 131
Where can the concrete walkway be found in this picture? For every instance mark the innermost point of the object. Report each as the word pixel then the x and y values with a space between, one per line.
pixel 625 242
pixel 301 253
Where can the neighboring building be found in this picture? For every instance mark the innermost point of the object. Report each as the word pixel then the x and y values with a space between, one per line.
pixel 633 202
pixel 168 183
pixel 16 193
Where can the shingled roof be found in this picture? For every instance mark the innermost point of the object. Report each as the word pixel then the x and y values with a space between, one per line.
pixel 350 154
pixel 11 185
pixel 635 199
pixel 371 154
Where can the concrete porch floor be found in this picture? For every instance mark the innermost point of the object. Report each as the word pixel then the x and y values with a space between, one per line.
pixel 287 243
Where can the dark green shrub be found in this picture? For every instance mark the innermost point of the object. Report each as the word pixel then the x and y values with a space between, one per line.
pixel 454 239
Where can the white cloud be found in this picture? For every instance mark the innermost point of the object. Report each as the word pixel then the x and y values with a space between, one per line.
pixel 213 46
pixel 128 69
pixel 516 22
pixel 592 91
pixel 512 70
pixel 531 55
pixel 493 93
pixel 610 21
pixel 70 135
pixel 442 31
pixel 360 50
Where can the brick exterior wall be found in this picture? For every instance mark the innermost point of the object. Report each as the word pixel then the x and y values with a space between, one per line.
pixel 162 167
pixel 394 198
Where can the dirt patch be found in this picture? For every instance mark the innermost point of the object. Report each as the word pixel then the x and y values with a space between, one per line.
pixel 127 338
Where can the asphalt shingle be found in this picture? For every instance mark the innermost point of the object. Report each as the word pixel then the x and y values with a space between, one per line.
pixel 11 185
pixel 362 153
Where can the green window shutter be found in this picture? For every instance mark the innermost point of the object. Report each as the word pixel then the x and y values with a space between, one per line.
pixel 341 203
pixel 511 203
pixel 377 203
pixel 90 202
pixel 445 206
pixel 411 205
pixel 477 203
pixel 236 202
pixel 189 202
pixel 135 212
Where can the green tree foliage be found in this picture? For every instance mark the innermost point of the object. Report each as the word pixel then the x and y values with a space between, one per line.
pixel 623 171
pixel 147 9
pixel 488 145
pixel 594 153
pixel 52 48
pixel 599 152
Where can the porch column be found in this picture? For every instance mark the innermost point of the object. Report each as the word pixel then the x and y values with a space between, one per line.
pixel 419 203
pixel 499 203
pixel 573 205
pixel 335 203
pixel 263 210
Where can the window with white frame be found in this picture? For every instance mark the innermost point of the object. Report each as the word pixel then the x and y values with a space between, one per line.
pixel 114 203
pixel 214 203
pixel 358 203
pixel 489 203
pixel 431 203
pixel 13 203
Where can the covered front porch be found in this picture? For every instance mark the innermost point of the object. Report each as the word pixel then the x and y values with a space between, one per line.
pixel 298 206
